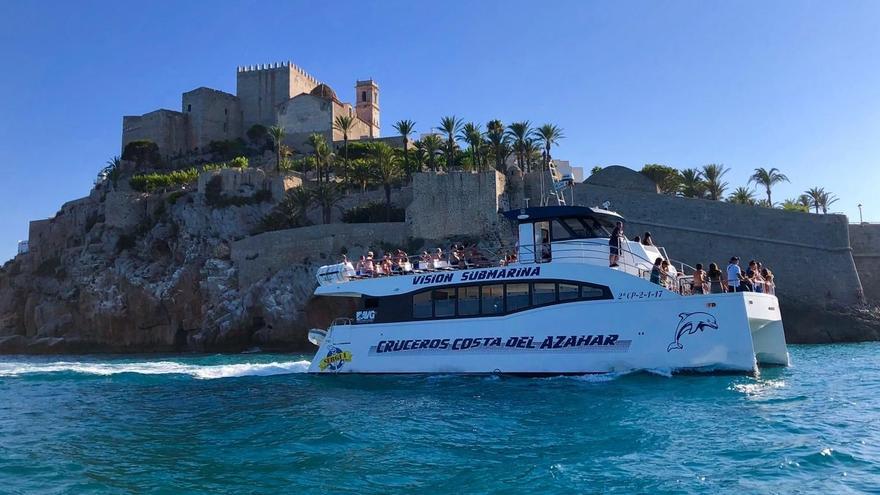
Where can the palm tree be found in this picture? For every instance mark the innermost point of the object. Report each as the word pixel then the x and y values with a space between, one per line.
pixel 277 135
pixel 420 156
pixel 520 133
pixel 549 134
pixel 450 126
pixel 433 143
pixel 794 205
pixel 326 195
pixel 805 200
pixel 360 173
pixel 110 171
pixel 713 173
pixel 816 197
pixel 473 136
pixel 386 166
pixel 405 128
pixel 315 140
pixel 344 124
pixel 767 178
pixel 532 152
pixel 692 184
pixel 742 196
pixel 826 200
pixel 498 143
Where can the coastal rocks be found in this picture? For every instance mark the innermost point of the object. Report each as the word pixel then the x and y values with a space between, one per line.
pixel 807 323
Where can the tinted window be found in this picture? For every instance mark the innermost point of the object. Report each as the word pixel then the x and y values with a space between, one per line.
pixel 468 301
pixel 444 302
pixel 422 305
pixel 568 292
pixel 588 292
pixel 493 299
pixel 517 296
pixel 543 293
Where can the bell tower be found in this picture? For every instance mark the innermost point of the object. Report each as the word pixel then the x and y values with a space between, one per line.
pixel 367 108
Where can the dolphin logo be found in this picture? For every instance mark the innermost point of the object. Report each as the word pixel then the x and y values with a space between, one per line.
pixel 690 324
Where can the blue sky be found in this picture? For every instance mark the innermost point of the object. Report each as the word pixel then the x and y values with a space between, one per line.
pixel 787 84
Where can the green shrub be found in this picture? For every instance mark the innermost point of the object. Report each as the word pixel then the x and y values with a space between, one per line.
pixel 373 213
pixel 155 181
pixel 142 153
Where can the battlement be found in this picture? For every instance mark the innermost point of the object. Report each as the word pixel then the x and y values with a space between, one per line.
pixel 278 65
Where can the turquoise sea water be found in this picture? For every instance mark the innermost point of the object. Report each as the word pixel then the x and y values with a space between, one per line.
pixel 254 423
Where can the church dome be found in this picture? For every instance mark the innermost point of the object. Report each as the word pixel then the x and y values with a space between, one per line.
pixel 324 91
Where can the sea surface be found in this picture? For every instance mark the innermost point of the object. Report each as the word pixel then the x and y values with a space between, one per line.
pixel 255 423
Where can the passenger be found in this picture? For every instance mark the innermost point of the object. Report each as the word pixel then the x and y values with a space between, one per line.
pixel 755 280
pixel 648 240
pixel 614 244
pixel 456 259
pixel 656 275
pixel 369 266
pixel 714 274
pixel 348 267
pixel 437 255
pixel 699 281
pixel 769 285
pixel 387 264
pixel 637 239
pixel 361 268
pixel 734 276
pixel 664 275
pixel 545 245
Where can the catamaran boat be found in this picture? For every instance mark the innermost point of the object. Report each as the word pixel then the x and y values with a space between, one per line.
pixel 556 308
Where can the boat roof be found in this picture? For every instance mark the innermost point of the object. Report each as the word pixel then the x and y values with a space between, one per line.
pixel 539 213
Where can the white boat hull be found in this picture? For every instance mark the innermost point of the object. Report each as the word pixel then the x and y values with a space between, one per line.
pixel 734 332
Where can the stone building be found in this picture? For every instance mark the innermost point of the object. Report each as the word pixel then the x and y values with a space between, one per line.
pixel 280 94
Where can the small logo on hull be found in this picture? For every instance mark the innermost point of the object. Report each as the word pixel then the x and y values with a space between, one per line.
pixel 689 324
pixel 334 360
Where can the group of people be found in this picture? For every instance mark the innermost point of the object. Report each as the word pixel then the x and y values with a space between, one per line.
pixel 396 262
pixel 616 239
pixel 756 278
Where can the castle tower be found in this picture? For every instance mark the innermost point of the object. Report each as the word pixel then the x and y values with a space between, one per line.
pixel 261 88
pixel 367 108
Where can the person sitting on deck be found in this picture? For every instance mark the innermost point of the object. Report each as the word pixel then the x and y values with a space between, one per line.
pixel 614 244
pixel 648 240
pixel 637 239
pixel 655 272
pixel 348 268
pixel 714 274
pixel 664 274
pixel 699 281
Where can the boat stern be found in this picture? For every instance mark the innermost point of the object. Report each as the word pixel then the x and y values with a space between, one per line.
pixel 765 325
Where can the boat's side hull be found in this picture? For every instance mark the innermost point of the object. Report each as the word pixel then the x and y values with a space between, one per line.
pixel 696 332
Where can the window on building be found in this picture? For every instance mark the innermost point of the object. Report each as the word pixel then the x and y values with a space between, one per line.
pixel 189 108
pixel 543 293
pixel 444 302
pixel 363 96
pixel 468 301
pixel 567 292
pixel 492 299
pixel 517 296
pixel 422 305
pixel 225 111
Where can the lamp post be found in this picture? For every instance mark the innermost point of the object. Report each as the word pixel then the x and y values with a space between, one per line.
pixel 860 214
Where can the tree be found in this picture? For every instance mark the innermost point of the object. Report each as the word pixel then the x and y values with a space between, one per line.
pixel 110 171
pixel 595 170
pixel 420 156
pixel 344 124
pixel 142 153
pixel 450 126
pixel 386 166
pixel 359 172
pixel 405 128
pixel 816 196
pixel 318 144
pixel 473 136
pixel 805 201
pixel 433 143
pixel 794 205
pixel 667 178
pixel 257 134
pixel 548 134
pixel 326 195
pixel 498 143
pixel 715 186
pixel 767 178
pixel 290 212
pixel 826 200
pixel 277 135
pixel 520 133
pixel 742 196
pixel 692 184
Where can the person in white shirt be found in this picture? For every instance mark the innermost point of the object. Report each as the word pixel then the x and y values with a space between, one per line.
pixel 734 275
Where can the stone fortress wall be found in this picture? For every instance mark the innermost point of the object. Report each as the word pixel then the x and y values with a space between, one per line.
pixel 865 241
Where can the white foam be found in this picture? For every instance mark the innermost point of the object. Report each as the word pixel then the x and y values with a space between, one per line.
pixel 204 372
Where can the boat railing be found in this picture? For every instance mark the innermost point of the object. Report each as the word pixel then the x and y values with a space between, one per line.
pixel 337 322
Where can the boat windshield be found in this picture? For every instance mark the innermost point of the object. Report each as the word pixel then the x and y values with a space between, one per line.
pixel 563 229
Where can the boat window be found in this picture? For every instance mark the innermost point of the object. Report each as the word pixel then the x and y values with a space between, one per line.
pixel 493 299
pixel 469 300
pixel 543 293
pixel 444 302
pixel 590 292
pixel 517 296
pixel 567 292
pixel 570 228
pixel 422 305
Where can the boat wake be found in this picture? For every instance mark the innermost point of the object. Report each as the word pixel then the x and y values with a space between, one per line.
pixel 202 372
